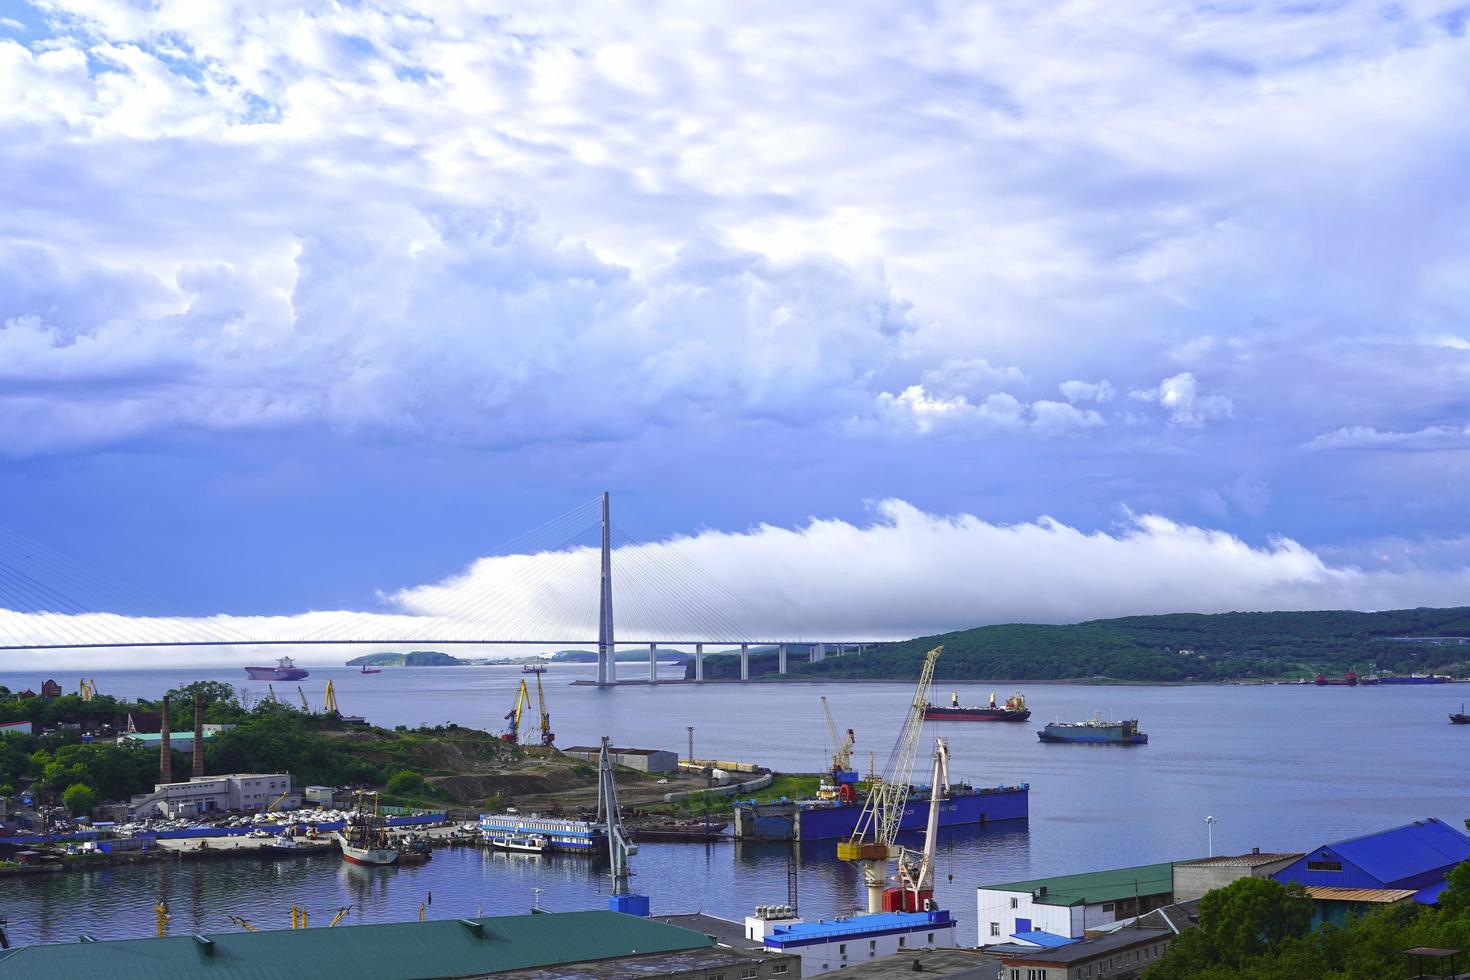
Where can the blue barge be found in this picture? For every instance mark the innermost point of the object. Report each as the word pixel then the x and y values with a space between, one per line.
pixel 810 820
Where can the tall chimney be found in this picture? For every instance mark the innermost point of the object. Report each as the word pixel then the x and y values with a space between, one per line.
pixel 198 738
pixel 165 758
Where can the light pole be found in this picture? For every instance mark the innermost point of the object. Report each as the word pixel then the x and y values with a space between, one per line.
pixel 1210 831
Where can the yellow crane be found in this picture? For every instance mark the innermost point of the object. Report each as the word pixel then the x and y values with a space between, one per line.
pixel 338 917
pixel 547 735
pixel 304 706
pixel 329 704
pixel 872 844
pixel 87 689
pixel 844 779
pixel 512 733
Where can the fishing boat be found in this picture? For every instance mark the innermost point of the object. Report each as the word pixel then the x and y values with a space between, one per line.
pixel 364 838
pixel 284 670
pixel 1460 717
pixel 371 670
pixel 1094 731
pixel 525 844
pixel 1014 710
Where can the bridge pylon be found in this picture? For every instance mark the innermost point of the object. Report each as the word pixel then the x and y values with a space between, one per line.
pixel 607 661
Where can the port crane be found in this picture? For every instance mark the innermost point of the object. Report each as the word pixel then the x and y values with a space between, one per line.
pixel 619 847
pixel 304 706
pixel 329 702
pixel 547 735
pixel 512 733
pixel 916 868
pixel 844 778
pixel 873 841
pixel 87 689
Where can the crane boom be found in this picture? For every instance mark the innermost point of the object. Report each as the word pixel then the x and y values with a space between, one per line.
pixel 304 706
pixel 841 748
pixel 329 700
pixel 916 871
pixel 871 845
pixel 512 733
pixel 547 735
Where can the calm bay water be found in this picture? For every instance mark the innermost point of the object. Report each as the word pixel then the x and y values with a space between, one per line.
pixel 1278 767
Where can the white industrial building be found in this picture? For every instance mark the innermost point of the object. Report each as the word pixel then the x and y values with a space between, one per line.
pixel 210 794
pixel 1040 910
pixel 644 760
pixel 836 944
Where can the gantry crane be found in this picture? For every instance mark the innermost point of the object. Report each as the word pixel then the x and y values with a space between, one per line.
pixel 547 735
pixel 916 868
pixel 512 733
pixel 872 844
pixel 844 778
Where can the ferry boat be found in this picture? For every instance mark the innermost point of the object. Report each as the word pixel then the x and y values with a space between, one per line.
pixel 1095 731
pixel 1014 710
pixel 284 670
pixel 573 836
pixel 528 844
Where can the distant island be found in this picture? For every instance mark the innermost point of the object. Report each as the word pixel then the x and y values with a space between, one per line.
pixel 623 656
pixel 1177 647
pixel 418 658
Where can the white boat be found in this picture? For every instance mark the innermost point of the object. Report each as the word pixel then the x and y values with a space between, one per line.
pixel 369 856
pixel 528 844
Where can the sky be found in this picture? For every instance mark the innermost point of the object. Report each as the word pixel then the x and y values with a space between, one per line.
pixel 892 317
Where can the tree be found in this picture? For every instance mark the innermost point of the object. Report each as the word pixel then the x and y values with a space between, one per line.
pixel 405 781
pixel 1237 923
pixel 79 799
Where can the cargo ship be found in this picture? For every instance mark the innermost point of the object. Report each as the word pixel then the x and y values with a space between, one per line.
pixel 1014 710
pixel 558 834
pixel 1350 679
pixel 823 819
pixel 1416 679
pixel 284 670
pixel 1094 731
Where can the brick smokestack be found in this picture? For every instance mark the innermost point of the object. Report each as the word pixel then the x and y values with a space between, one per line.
pixel 198 737
pixel 165 756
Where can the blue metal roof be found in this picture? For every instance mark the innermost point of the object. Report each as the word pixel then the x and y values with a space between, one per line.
pixel 1406 852
pixel 1038 937
pixel 803 933
pixel 1429 894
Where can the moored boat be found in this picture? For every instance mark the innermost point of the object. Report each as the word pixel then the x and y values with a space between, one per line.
pixel 1460 717
pixel 364 838
pixel 1014 710
pixel 533 669
pixel 521 844
pixel 284 670
pixel 1094 731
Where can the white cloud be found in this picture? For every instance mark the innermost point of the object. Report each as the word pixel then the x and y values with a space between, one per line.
pixel 1431 437
pixel 905 573
pixel 914 409
pixel 1180 397
pixel 1087 391
pixel 972 377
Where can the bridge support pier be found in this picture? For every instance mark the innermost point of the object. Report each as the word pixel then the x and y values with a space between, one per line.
pixel 653 663
pixel 781 658
pixel 699 661
pixel 744 662
pixel 819 652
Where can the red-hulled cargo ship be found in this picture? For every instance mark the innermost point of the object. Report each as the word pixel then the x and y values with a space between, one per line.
pixel 1350 679
pixel 1014 710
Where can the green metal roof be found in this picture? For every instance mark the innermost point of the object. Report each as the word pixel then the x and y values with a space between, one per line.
pixel 394 951
pixel 1096 886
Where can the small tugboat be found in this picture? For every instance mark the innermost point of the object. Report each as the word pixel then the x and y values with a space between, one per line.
pixel 1094 731
pixel 1460 717
pixel 284 670
pixel 521 844
pixel 1015 710
pixel 371 670
pixel 364 840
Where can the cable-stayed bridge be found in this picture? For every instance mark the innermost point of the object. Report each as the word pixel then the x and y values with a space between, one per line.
pixel 575 581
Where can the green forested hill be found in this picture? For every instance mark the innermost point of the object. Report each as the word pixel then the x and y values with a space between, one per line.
pixel 1175 647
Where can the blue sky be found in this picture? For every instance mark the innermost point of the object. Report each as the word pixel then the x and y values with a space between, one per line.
pixel 303 304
